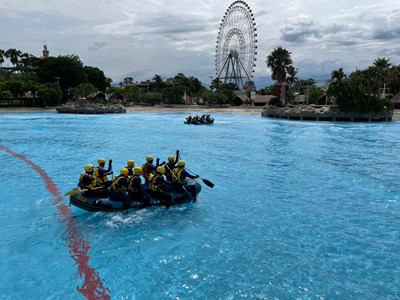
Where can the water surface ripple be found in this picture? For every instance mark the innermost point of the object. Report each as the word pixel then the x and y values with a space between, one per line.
pixel 300 210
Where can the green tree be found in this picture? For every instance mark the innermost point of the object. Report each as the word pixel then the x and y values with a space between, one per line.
pixel 174 94
pixel 50 93
pixel 15 87
pixel 151 98
pixel 13 55
pixel 394 79
pixel 69 70
pixel 353 94
pixel 96 77
pixel 366 80
pixel 195 86
pixel 314 94
pixel 131 93
pixel 291 81
pixel 278 61
pixel 109 82
pixel 216 84
pixel 27 62
pixel 338 88
pixel 113 90
pixel 159 83
pixel 382 66
pixel 83 90
pixel 2 52
pixel 228 89
pixel 292 72
pixel 206 95
pixel 32 86
pixel 128 81
pixel 6 94
pixel 218 98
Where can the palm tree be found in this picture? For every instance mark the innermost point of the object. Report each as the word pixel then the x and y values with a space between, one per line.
pixel 292 72
pixel 2 52
pixel 382 66
pixel 216 84
pixel 394 79
pixel 27 61
pixel 128 81
pixel 13 55
pixel 159 83
pixel 338 76
pixel 291 81
pixel 336 88
pixel 278 61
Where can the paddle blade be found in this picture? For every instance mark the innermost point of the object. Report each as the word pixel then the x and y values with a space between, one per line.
pixel 73 192
pixel 208 183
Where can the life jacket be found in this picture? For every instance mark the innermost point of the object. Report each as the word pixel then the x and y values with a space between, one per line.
pixel 154 183
pixel 178 172
pixel 145 171
pixel 130 171
pixel 168 173
pixel 132 188
pixel 100 180
pixel 91 178
pixel 116 185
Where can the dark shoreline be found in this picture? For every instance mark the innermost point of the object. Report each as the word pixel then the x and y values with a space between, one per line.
pixel 323 113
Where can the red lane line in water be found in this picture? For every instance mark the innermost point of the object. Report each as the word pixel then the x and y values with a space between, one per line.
pixel 92 287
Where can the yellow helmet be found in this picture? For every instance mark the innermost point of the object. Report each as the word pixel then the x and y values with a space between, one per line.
pixel 161 170
pixel 181 163
pixel 124 171
pixel 101 160
pixel 171 158
pixel 131 163
pixel 138 170
pixel 89 168
pixel 149 158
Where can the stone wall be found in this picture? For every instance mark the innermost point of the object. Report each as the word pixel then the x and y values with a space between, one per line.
pixel 322 113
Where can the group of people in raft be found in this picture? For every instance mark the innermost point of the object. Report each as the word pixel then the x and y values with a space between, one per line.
pixel 161 179
pixel 203 119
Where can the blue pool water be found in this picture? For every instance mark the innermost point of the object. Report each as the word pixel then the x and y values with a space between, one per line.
pixel 300 210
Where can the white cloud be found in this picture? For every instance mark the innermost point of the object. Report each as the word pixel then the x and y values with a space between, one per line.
pixel 300 29
pixel 144 38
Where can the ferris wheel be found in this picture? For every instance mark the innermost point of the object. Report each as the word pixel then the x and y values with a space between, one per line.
pixel 236 49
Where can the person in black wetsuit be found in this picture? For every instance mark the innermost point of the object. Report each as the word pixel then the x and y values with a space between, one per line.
pixel 130 165
pixel 119 187
pixel 180 175
pixel 87 182
pixel 87 179
pixel 170 165
pixel 148 167
pixel 101 173
pixel 135 187
pixel 157 185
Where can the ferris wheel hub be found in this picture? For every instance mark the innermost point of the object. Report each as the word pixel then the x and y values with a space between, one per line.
pixel 234 53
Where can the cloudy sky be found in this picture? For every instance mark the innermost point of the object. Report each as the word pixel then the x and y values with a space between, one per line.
pixel 146 37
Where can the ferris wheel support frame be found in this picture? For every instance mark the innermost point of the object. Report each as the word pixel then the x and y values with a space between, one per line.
pixel 235 76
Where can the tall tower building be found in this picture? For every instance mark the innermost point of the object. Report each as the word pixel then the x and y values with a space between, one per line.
pixel 45 51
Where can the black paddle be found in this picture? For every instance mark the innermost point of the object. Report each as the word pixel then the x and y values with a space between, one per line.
pixel 206 182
